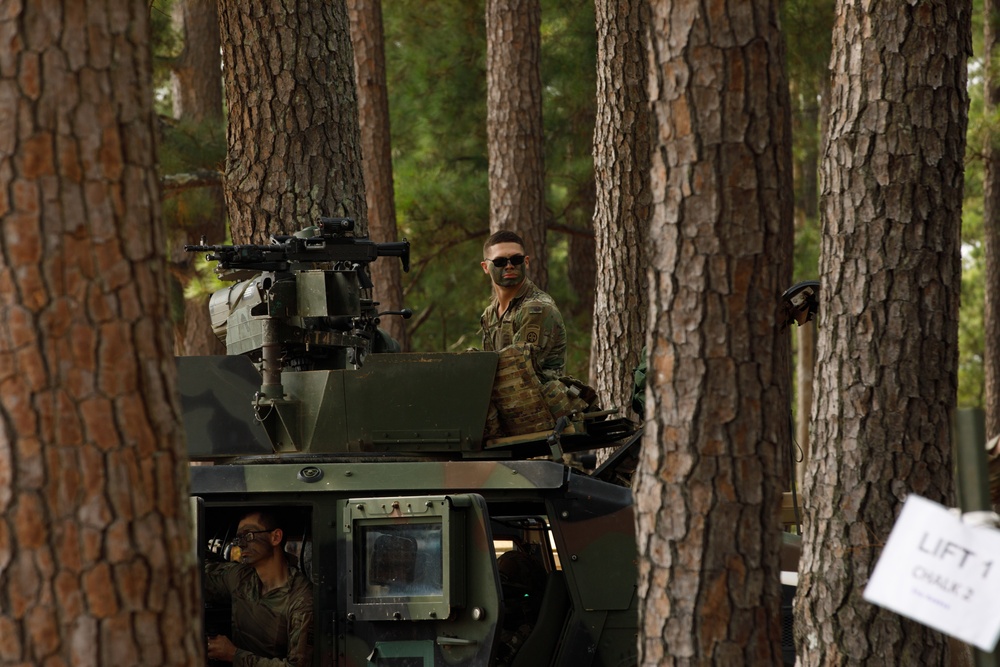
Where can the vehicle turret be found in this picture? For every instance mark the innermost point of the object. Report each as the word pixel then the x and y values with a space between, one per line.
pixel 299 316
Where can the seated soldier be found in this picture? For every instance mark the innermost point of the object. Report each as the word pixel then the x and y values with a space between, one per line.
pixel 272 603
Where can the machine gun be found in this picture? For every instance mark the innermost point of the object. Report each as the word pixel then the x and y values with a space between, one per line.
pixel 298 302
pixel 325 243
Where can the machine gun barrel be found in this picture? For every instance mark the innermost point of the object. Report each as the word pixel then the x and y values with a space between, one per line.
pixel 326 245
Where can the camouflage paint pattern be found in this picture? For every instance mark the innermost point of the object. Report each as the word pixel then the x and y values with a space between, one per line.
pixel 591 523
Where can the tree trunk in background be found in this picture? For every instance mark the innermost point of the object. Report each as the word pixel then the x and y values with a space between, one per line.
pixel 373 115
pixel 514 126
pixel 196 78
pixel 621 217
pixel 709 481
pixel 805 374
pixel 95 534
pixel 581 263
pixel 991 225
pixel 294 145
pixel 886 383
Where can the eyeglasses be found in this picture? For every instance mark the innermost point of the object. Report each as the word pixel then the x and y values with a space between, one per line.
pixel 243 539
pixel 500 262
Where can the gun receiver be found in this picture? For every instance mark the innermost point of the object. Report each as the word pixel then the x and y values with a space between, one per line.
pixel 324 243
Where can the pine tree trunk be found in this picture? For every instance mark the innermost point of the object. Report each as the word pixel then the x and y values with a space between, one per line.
pixel 991 225
pixel 196 78
pixel 373 116
pixel 709 482
pixel 514 126
pixel 886 381
pixel 621 216
pixel 294 145
pixel 196 74
pixel 95 539
pixel 804 395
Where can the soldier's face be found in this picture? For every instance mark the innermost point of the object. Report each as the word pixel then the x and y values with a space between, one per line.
pixel 508 275
pixel 262 545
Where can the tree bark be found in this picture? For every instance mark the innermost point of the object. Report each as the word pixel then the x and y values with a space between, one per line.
pixel 294 146
pixel 514 126
pixel 624 200
pixel 373 114
pixel 95 538
pixel 886 381
pixel 196 78
pixel 196 74
pixel 709 481
pixel 805 374
pixel 991 226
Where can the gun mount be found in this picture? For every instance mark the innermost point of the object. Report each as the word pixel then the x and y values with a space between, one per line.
pixel 300 315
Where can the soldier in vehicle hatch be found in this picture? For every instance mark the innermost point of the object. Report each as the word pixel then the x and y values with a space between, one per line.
pixel 520 312
pixel 272 602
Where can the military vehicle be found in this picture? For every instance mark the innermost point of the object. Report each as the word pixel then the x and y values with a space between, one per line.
pixel 430 498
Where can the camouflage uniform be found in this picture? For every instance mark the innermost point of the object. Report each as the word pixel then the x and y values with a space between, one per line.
pixel 270 629
pixel 532 317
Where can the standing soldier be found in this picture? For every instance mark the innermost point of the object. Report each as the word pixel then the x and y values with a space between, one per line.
pixel 519 312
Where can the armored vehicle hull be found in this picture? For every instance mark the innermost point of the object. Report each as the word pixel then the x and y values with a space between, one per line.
pixel 443 601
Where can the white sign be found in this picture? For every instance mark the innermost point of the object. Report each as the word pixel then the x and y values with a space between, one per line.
pixel 941 572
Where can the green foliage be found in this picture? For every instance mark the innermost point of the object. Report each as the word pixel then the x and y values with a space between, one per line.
pixel 971 339
pixel 436 78
pixel 166 44
pixel 188 146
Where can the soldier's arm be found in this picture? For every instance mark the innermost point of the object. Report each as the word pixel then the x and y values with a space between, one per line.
pixel 220 580
pixel 541 325
pixel 300 636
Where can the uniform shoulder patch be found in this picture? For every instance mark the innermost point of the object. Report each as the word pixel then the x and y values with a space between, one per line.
pixel 531 334
pixel 535 310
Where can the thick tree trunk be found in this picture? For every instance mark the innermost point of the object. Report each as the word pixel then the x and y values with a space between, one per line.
pixel 373 114
pixel 95 539
pixel 514 126
pixel 621 216
pixel 886 382
pixel 991 225
pixel 294 146
pixel 709 482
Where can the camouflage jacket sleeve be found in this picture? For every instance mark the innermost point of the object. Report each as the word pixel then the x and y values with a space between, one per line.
pixel 540 324
pixel 300 637
pixel 222 580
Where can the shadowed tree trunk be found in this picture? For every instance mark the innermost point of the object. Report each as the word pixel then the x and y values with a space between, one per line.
pixel 621 217
pixel 373 114
pixel 95 537
pixel 196 75
pixel 886 376
pixel 196 78
pixel 991 225
pixel 294 146
pixel 709 481
pixel 514 126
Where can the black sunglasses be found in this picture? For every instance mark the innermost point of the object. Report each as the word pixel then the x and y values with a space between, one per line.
pixel 500 262
pixel 245 538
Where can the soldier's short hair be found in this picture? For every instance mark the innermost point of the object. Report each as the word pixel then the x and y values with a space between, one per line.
pixel 270 519
pixel 502 236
